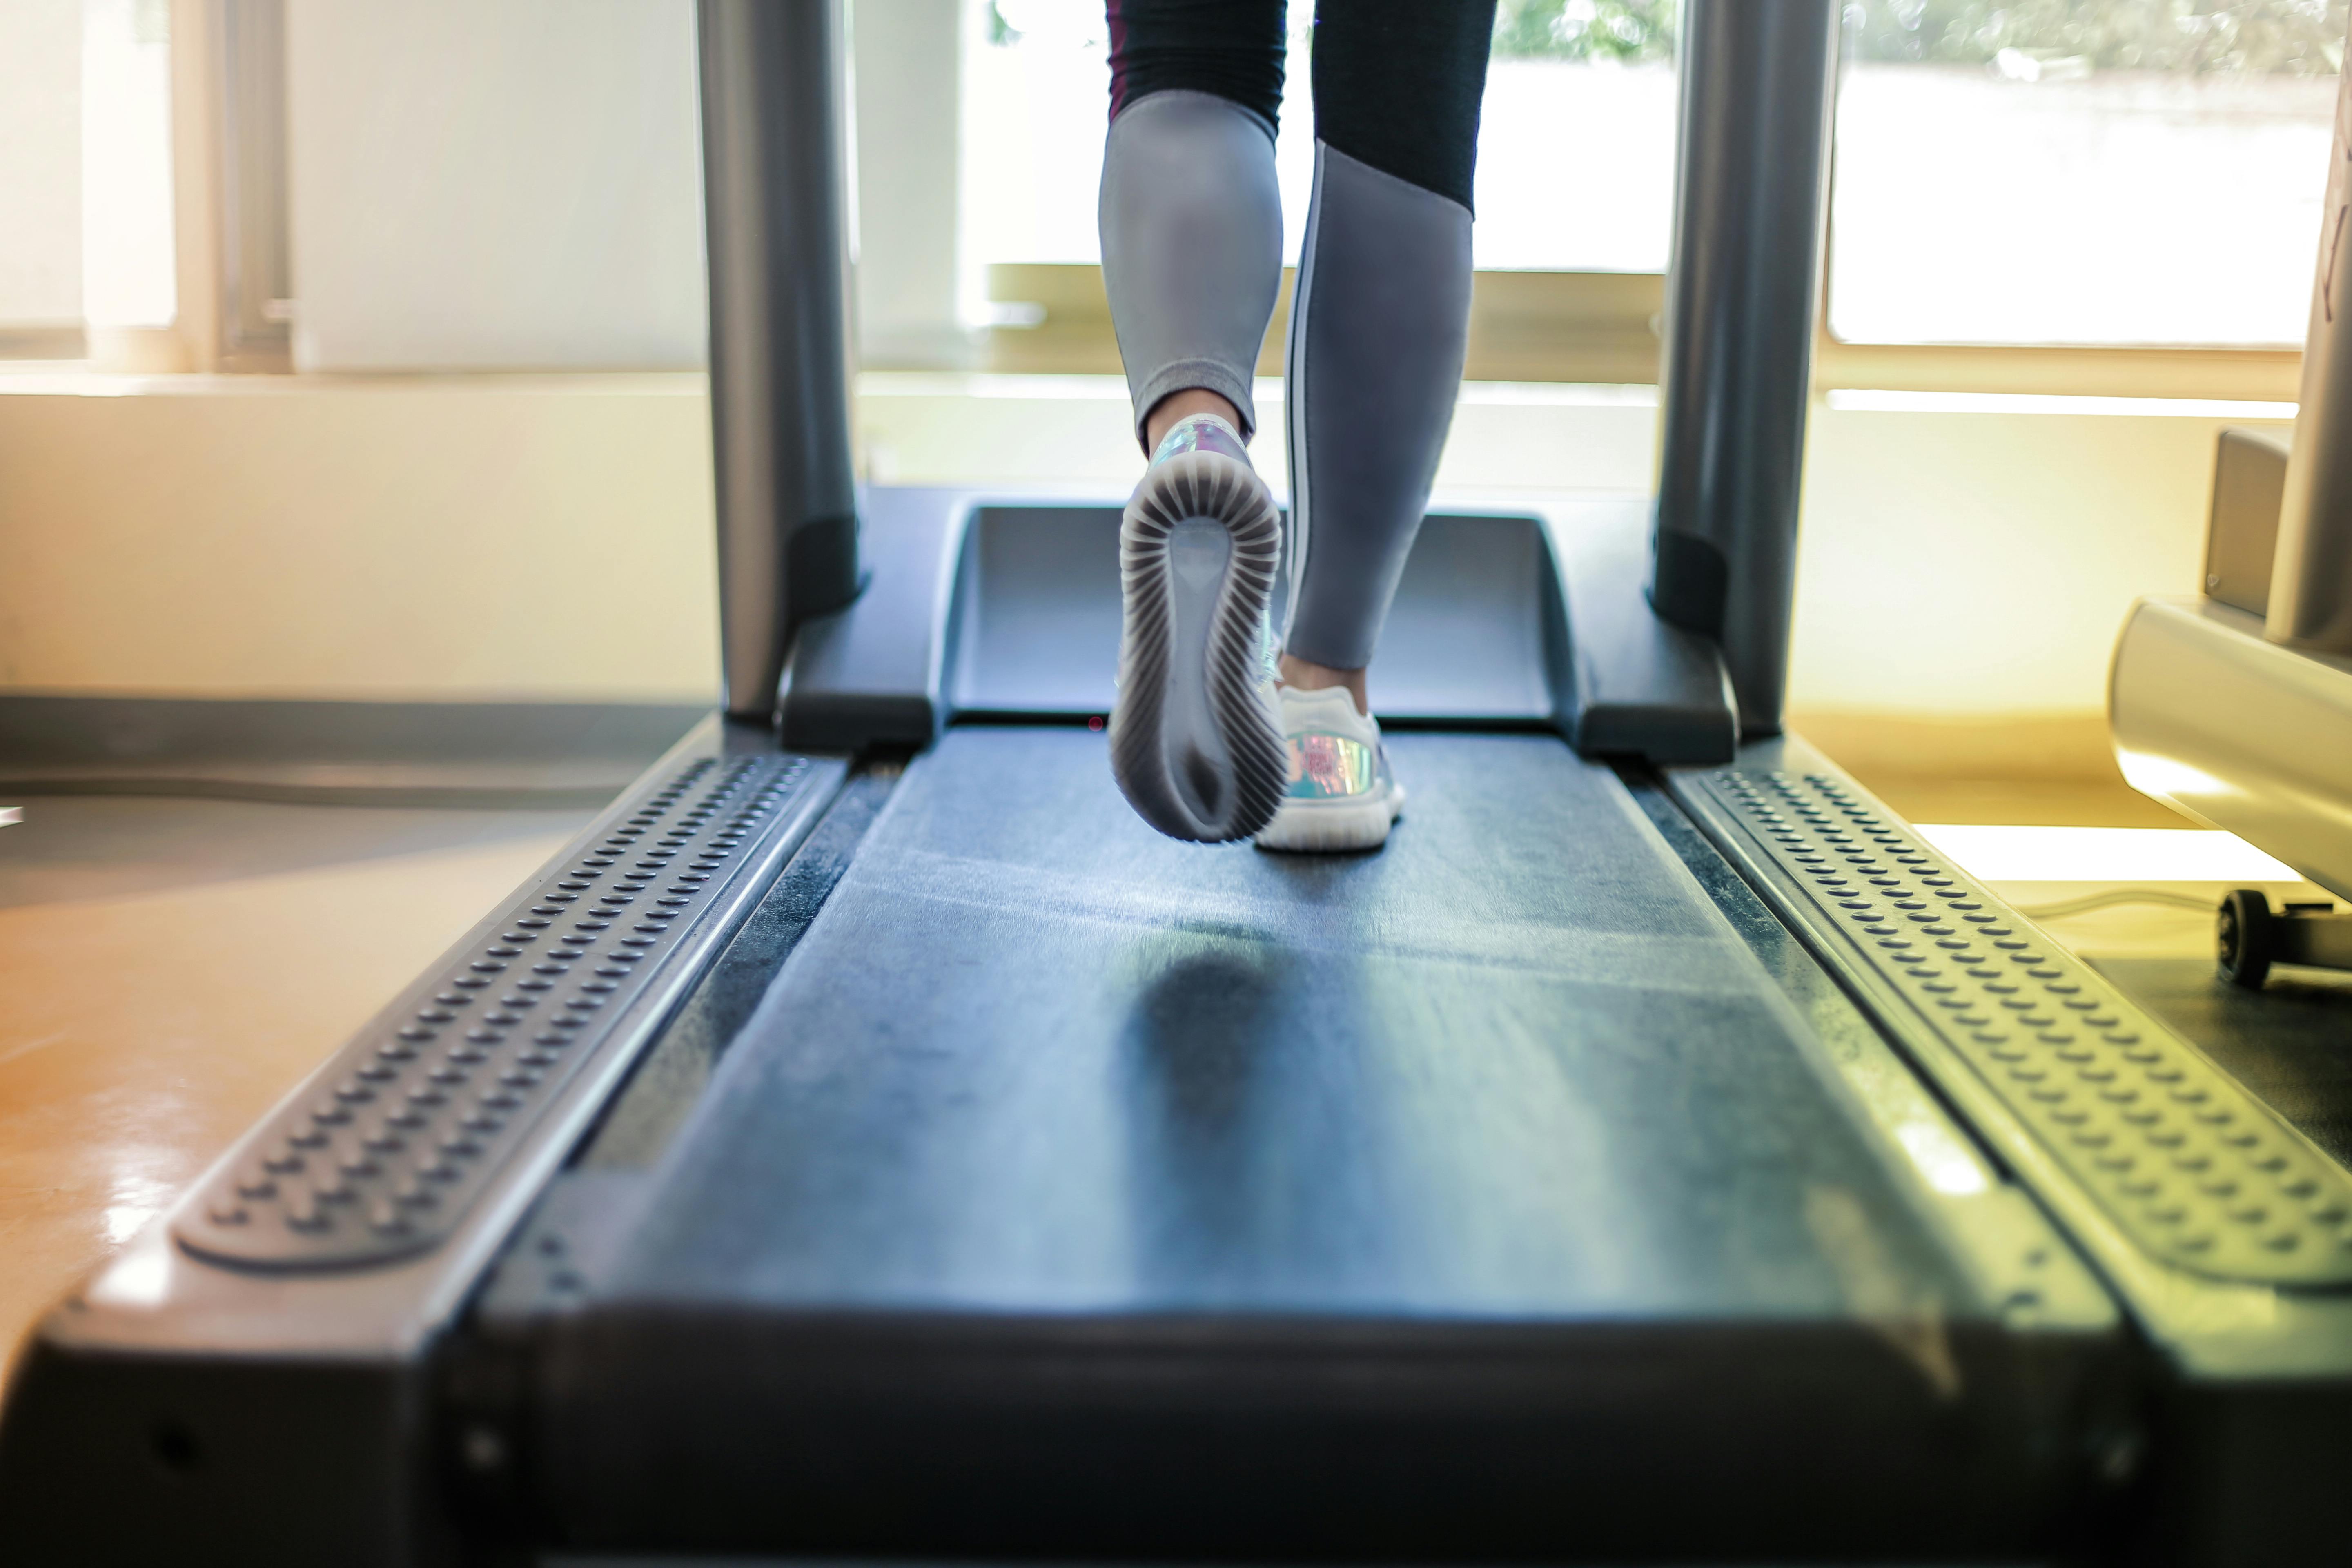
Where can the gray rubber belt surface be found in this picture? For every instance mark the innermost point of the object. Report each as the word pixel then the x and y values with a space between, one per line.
pixel 1032 1056
pixel 1191 244
pixel 1379 328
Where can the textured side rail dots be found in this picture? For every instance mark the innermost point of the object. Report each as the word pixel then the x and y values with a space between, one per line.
pixel 2192 1167
pixel 420 1112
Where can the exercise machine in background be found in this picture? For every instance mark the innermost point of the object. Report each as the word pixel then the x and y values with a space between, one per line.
pixel 2236 706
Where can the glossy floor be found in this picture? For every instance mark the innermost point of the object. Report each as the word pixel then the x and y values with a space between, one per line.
pixel 171 967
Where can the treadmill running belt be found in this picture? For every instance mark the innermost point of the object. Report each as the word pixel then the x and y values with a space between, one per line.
pixel 1062 1149
pixel 1033 1055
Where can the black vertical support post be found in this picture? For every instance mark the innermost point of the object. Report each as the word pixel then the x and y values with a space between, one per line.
pixel 774 172
pixel 1758 84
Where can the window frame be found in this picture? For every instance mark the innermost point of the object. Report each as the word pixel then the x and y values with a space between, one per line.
pixel 1587 327
pixel 244 93
pixel 1603 327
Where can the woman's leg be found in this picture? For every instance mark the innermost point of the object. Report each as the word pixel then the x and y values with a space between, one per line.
pixel 1192 238
pixel 1381 319
pixel 1190 215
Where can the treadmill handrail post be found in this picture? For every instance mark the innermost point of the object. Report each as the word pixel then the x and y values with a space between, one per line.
pixel 774 160
pixel 1750 199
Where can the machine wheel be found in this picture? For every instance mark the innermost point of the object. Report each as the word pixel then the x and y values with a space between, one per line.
pixel 2245 937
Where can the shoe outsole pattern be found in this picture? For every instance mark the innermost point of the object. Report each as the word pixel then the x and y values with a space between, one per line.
pixel 1198 486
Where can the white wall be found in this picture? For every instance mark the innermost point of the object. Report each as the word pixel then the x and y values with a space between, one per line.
pixel 909 87
pixel 518 186
pixel 1979 561
pixel 273 535
pixel 514 185
pixel 393 538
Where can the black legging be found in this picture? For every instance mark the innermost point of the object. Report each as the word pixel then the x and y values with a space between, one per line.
pixel 1191 231
pixel 1397 83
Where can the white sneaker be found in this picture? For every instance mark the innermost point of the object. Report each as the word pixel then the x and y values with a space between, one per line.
pixel 1341 795
pixel 1195 743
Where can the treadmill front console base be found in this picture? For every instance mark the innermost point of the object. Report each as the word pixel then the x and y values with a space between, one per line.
pixel 1008 610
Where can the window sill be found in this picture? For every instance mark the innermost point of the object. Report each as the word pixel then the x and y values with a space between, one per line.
pixel 47 379
pixel 1601 326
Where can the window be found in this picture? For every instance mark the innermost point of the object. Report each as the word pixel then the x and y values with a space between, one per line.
pixel 92 185
pixel 1576 149
pixel 256 283
pixel 2081 171
pixel 1575 144
pixel 86 197
pixel 128 261
pixel 40 178
pixel 2082 196
pixel 1575 186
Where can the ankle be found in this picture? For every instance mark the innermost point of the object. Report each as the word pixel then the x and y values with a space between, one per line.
pixel 1308 676
pixel 1179 405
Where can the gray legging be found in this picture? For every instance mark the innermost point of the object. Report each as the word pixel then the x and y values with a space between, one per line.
pixel 1191 241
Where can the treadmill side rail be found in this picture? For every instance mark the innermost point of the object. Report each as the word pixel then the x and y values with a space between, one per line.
pixel 256 1414
pixel 417 1113
pixel 2254 1327
pixel 2194 1172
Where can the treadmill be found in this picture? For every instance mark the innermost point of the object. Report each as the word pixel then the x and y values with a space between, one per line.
pixel 868 1139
